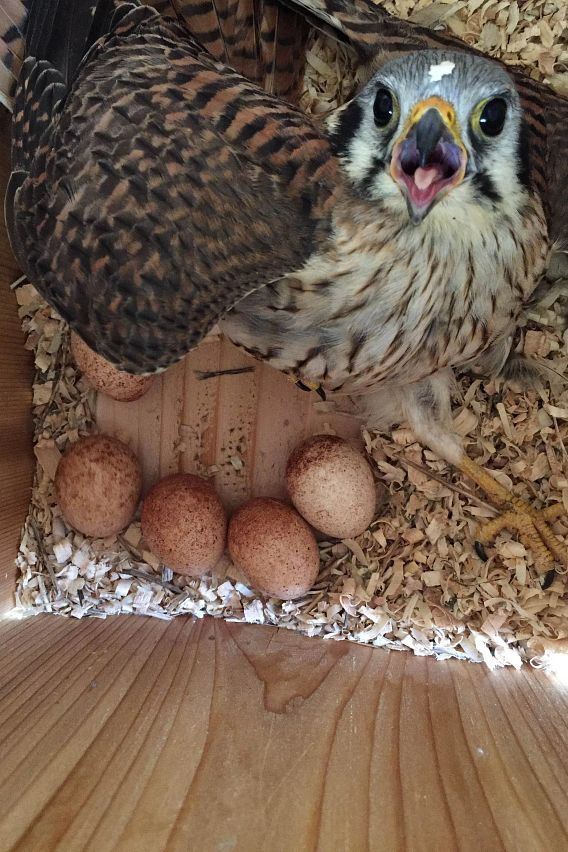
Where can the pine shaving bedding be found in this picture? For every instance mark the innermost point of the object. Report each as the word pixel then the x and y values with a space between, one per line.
pixel 413 580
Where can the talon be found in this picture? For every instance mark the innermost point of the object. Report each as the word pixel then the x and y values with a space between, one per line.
pixel 309 386
pixel 548 579
pixel 481 552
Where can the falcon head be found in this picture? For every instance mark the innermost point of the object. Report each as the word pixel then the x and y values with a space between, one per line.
pixel 434 130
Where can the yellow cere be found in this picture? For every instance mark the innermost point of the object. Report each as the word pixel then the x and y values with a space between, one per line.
pixel 447 113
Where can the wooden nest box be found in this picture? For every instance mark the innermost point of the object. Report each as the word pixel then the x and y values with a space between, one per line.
pixel 134 733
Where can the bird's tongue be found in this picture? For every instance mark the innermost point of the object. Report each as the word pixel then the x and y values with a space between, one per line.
pixel 425 177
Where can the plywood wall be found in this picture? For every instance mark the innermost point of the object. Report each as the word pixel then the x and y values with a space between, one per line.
pixel 16 457
pixel 244 426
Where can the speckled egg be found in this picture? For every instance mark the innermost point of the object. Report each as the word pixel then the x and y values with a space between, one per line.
pixel 97 485
pixel 184 523
pixel 274 548
pixel 331 485
pixel 105 378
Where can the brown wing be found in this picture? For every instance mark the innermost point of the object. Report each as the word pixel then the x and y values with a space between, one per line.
pixel 556 112
pixel 165 188
pixel 262 39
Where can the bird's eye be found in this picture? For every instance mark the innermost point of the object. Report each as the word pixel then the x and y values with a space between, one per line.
pixel 383 108
pixel 492 117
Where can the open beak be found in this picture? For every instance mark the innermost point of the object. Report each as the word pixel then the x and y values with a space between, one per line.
pixel 429 157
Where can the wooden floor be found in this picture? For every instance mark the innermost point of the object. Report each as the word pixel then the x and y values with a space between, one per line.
pixel 134 734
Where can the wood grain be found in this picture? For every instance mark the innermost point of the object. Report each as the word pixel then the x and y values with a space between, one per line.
pixel 184 424
pixel 16 457
pixel 135 734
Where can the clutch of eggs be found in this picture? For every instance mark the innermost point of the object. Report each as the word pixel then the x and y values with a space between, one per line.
pixel 98 484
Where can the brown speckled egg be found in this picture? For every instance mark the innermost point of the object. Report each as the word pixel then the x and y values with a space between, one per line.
pixel 97 485
pixel 332 486
pixel 274 548
pixel 184 523
pixel 105 378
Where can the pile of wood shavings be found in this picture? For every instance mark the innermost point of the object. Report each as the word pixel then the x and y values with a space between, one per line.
pixel 414 580
pixel 529 33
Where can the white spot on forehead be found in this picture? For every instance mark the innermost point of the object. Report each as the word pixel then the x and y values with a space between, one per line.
pixel 436 72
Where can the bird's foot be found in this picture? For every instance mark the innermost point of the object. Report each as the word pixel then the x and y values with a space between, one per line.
pixel 534 532
pixel 533 525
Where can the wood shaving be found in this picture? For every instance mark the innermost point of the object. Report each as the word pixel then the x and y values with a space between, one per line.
pixel 413 580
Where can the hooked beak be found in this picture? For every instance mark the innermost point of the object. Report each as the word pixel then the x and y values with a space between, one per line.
pixel 429 157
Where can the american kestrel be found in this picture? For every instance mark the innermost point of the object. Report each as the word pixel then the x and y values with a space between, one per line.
pixel 156 191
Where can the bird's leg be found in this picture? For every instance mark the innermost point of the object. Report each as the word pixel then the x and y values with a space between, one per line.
pixel 427 409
